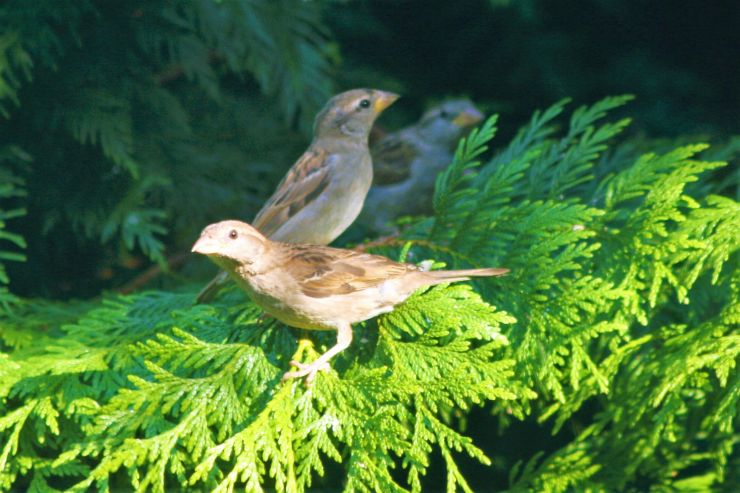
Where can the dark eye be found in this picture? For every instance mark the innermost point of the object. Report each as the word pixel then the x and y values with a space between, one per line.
pixel 444 114
pixel 365 103
pixel 233 234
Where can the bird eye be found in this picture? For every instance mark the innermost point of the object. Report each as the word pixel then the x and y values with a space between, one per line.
pixel 444 114
pixel 365 103
pixel 233 234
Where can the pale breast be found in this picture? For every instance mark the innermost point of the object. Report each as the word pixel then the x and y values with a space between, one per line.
pixel 330 214
pixel 293 308
pixel 277 295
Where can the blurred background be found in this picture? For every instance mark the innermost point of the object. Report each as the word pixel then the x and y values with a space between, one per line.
pixel 128 126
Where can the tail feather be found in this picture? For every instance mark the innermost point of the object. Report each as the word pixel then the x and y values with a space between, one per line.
pixel 209 292
pixel 442 276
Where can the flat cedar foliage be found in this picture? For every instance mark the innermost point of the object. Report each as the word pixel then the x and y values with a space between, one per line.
pixel 618 321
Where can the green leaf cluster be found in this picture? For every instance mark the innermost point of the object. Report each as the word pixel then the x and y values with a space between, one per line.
pixel 625 290
pixel 12 187
pixel 618 324
pixel 151 392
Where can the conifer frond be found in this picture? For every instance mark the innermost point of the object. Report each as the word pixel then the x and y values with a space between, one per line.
pixel 155 392
pixel 13 59
pixel 11 187
pixel 468 150
pixel 122 117
pixel 98 117
pixel 579 327
pixel 619 317
pixel 247 36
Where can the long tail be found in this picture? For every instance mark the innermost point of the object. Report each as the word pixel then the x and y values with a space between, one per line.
pixel 212 288
pixel 442 276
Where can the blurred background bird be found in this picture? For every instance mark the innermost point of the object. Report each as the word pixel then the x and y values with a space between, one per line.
pixel 324 191
pixel 406 163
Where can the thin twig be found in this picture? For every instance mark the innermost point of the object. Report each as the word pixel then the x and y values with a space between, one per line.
pixel 145 277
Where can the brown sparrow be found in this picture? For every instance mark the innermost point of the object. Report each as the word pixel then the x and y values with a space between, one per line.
pixel 406 163
pixel 324 191
pixel 317 287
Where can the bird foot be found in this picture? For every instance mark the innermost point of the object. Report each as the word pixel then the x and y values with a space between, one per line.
pixel 308 370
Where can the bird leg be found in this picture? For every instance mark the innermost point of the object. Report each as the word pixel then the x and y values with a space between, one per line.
pixel 309 370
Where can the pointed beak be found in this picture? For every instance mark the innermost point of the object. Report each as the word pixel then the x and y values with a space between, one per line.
pixel 384 99
pixel 205 246
pixel 468 118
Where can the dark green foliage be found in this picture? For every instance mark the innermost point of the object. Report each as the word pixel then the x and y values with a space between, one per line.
pixel 678 59
pixel 11 187
pixel 141 123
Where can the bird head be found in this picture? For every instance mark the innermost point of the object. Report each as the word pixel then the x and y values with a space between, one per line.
pixel 231 243
pixel 352 113
pixel 447 122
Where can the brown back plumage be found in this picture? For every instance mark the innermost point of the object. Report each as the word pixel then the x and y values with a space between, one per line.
pixel 322 271
pixel 303 183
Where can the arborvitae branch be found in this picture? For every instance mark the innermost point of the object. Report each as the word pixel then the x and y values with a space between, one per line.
pixel 621 310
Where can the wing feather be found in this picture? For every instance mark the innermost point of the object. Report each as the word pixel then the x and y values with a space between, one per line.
pixel 304 183
pixel 392 157
pixel 322 271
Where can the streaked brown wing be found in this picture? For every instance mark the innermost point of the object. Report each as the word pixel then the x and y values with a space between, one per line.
pixel 303 183
pixel 324 271
pixel 392 158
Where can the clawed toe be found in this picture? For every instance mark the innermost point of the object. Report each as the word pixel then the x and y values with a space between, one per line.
pixel 307 370
pixel 324 366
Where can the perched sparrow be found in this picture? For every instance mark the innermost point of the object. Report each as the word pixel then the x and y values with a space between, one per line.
pixel 317 287
pixel 322 194
pixel 406 163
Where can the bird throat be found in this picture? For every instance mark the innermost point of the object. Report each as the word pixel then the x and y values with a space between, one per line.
pixel 353 129
pixel 246 270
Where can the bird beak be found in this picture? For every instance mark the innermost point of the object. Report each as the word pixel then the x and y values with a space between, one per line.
pixel 205 246
pixel 468 118
pixel 384 100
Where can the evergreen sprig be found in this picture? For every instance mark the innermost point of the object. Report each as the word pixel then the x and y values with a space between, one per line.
pixel 618 322
pixel 148 386
pixel 12 187
pixel 601 277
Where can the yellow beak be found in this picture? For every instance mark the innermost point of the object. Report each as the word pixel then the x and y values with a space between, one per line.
pixel 468 118
pixel 383 100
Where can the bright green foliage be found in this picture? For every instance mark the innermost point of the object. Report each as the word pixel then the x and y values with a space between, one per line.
pixel 618 321
pixel 601 279
pixel 162 393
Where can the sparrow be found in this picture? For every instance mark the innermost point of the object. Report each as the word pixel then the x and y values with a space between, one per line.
pixel 317 287
pixel 406 163
pixel 324 191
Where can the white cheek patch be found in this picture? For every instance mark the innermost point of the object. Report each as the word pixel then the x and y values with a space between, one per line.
pixel 246 248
